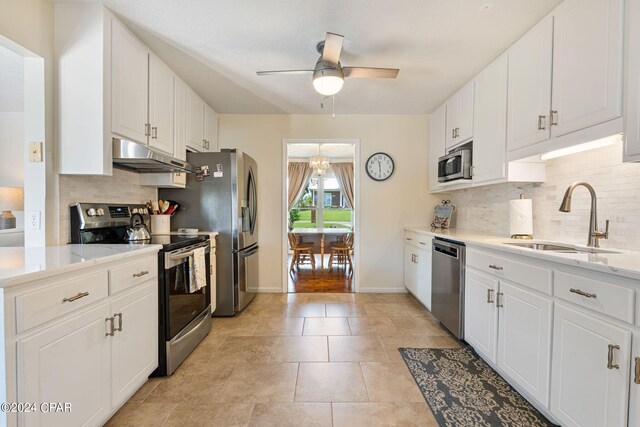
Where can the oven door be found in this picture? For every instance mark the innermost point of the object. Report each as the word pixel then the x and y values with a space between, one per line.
pixel 182 305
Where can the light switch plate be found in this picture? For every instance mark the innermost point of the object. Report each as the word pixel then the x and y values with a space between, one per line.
pixel 33 220
pixel 35 152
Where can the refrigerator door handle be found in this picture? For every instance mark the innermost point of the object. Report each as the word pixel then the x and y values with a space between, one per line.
pixel 252 251
pixel 253 201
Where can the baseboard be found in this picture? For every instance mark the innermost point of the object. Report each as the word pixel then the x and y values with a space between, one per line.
pixel 269 290
pixel 371 290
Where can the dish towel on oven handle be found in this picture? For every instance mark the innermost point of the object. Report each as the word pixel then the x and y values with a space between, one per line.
pixel 197 271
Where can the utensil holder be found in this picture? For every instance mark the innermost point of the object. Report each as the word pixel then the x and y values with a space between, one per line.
pixel 160 224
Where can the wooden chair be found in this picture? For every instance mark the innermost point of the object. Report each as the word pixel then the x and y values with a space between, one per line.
pixel 342 252
pixel 302 252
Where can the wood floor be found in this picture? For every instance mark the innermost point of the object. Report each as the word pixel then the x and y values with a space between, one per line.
pixel 303 279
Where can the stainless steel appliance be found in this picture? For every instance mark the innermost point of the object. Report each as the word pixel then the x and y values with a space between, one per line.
pixel 447 284
pixel 140 158
pixel 223 196
pixel 184 313
pixel 455 165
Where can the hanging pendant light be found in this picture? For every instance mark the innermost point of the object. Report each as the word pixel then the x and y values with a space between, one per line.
pixel 319 163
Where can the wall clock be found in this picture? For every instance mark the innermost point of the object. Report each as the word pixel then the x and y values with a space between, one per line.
pixel 380 166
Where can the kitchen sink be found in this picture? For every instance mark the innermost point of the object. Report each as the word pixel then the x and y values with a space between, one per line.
pixel 555 247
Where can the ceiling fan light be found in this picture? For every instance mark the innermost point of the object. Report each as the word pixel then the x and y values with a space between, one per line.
pixel 327 82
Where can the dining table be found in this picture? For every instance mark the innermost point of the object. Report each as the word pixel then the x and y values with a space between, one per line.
pixel 321 232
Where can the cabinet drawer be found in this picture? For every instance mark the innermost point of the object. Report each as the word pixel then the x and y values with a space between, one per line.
pixel 418 240
pixel 603 297
pixel 534 277
pixel 132 274
pixel 40 306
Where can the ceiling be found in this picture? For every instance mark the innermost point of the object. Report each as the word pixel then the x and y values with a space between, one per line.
pixel 217 46
pixel 332 151
pixel 11 82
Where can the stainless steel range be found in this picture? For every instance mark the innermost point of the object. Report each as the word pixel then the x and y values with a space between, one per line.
pixel 184 312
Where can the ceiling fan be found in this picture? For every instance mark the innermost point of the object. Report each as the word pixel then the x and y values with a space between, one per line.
pixel 329 74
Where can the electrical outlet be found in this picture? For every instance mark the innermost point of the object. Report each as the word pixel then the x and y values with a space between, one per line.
pixel 33 220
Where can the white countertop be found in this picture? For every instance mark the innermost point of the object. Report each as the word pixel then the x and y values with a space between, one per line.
pixel 20 265
pixel 626 263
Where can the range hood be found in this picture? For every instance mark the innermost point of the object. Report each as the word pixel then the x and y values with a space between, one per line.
pixel 140 158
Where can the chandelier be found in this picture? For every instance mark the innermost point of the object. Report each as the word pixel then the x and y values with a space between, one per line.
pixel 319 163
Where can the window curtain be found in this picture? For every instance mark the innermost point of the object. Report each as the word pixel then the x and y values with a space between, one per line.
pixel 299 174
pixel 344 174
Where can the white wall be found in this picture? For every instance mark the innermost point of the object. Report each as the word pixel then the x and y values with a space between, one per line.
pixel 617 187
pixel 27 26
pixel 11 155
pixel 385 206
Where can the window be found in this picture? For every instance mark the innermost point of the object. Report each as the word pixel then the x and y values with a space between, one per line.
pixel 331 212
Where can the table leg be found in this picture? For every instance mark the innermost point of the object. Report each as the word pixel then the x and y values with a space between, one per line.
pixel 322 252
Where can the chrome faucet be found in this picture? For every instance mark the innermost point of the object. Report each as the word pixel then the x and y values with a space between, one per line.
pixel 594 234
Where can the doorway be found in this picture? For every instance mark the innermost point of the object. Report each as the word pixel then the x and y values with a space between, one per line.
pixel 321 211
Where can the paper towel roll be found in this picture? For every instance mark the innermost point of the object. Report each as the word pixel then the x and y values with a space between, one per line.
pixel 521 216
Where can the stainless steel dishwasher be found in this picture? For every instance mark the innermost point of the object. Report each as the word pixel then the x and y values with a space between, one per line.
pixel 447 284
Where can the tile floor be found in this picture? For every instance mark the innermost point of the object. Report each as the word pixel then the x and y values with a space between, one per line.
pixel 298 360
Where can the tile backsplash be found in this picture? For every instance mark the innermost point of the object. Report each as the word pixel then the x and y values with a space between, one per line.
pixel 617 187
pixel 122 187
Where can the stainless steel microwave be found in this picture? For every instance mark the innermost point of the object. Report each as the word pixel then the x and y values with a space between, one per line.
pixel 455 165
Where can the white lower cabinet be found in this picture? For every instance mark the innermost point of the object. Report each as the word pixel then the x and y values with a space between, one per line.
pixel 68 362
pixel 417 267
pixel 590 383
pixel 134 347
pixel 480 313
pixel 524 339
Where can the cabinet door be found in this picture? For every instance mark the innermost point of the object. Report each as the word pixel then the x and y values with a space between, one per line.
pixel 490 124
pixel 587 64
pixel 632 84
pixel 180 120
pixel 437 129
pixel 480 315
pixel 584 390
pixel 196 123
pixel 524 339
pixel 134 348
pixel 129 85
pixel 68 362
pixel 634 395
pixel 529 94
pixel 451 122
pixel 464 127
pixel 423 275
pixel 210 129
pixel 161 105
pixel 410 272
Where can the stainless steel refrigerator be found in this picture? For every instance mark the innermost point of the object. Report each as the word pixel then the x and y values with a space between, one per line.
pixel 224 199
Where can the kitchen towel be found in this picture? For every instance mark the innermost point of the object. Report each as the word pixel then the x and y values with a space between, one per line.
pixel 521 216
pixel 197 271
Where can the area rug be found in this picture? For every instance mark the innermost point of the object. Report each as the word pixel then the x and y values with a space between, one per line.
pixel 462 390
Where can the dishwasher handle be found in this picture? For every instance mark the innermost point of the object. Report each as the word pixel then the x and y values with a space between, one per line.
pixel 446 249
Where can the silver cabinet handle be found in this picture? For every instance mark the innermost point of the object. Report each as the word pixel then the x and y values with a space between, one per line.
pixel 422 243
pixel 495 267
pixel 457 132
pixel 142 273
pixel 541 124
pixel 119 316
pixel 490 296
pixel 111 329
pixel 416 259
pixel 636 377
pixel 453 133
pixel 147 129
pixel 499 300
pixel 75 297
pixel 610 364
pixel 553 118
pixel 583 293
pixel 154 132
pixel 408 238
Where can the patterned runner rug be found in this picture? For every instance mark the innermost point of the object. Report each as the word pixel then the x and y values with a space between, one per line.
pixel 462 390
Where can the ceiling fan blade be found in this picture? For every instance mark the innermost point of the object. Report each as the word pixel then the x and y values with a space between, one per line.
pixel 370 72
pixel 332 48
pixel 277 72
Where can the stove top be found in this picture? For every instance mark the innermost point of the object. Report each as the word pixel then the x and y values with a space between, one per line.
pixel 171 242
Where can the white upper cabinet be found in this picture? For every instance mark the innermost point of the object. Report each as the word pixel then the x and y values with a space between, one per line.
pixel 632 83
pixel 181 119
pixel 459 122
pixel 587 64
pixel 210 129
pixel 196 123
pixel 129 85
pixel 436 143
pixel 161 106
pixel 529 93
pixel 489 125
